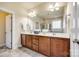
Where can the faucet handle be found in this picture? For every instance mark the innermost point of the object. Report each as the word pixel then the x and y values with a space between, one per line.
pixel 54 34
pixel 76 41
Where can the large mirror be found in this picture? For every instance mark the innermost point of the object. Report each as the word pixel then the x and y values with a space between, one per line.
pixel 51 17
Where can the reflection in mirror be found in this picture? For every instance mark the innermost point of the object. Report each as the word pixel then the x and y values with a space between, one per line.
pixel 57 25
pixel 22 28
pixel 37 25
pixel 52 17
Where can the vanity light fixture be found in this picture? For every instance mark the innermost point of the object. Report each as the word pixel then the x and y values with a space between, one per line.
pixel 32 14
pixel 73 3
pixel 53 7
pixel 57 8
pixel 56 4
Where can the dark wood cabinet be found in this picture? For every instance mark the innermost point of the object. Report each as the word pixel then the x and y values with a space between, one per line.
pixel 35 43
pixel 44 45
pixel 35 40
pixel 35 47
pixel 49 46
pixel 60 47
pixel 23 40
pixel 28 41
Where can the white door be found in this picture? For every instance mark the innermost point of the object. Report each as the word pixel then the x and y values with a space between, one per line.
pixel 8 32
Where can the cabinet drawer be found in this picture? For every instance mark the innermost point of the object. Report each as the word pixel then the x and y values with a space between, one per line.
pixel 35 47
pixel 35 41
pixel 35 37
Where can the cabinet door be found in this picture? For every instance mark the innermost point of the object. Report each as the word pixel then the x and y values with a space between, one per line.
pixel 35 40
pixel 28 41
pixel 59 47
pixel 35 43
pixel 66 47
pixel 44 45
pixel 23 40
pixel 35 47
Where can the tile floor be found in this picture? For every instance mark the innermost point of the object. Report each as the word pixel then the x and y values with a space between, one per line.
pixel 20 52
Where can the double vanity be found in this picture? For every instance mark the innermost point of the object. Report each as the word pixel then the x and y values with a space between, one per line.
pixel 48 44
pixel 48 31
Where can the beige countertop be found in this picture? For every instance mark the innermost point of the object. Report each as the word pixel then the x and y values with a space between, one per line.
pixel 61 35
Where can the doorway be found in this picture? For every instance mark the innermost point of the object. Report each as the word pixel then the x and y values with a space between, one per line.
pixel 5 29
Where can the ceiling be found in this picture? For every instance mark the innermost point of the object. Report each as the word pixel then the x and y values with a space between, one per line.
pixel 22 8
pixel 19 7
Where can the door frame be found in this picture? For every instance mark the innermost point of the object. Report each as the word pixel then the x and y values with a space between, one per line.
pixel 12 24
pixel 11 30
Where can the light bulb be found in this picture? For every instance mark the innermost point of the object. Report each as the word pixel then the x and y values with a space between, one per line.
pixel 73 3
pixel 32 14
pixel 56 4
pixel 51 9
pixel 57 8
pixel 50 6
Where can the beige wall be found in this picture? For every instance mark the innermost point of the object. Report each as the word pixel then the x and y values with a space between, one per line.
pixel 2 28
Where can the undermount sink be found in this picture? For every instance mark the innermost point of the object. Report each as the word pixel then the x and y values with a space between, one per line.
pixel 53 34
pixel 36 32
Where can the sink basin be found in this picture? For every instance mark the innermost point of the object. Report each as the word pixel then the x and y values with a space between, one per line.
pixel 36 32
